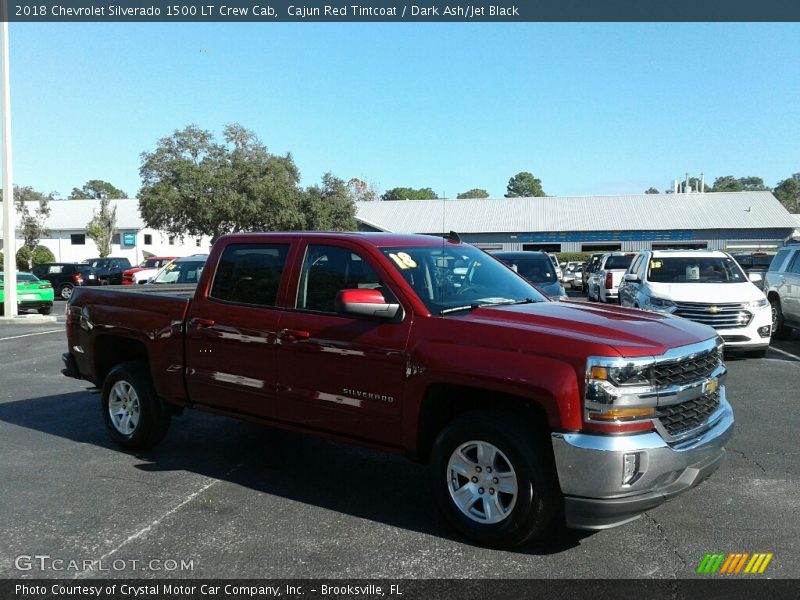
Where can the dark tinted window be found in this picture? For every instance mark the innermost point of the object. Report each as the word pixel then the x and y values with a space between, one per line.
pixel 328 270
pixel 618 262
pixel 250 273
pixel 78 239
pixel 538 269
pixel 777 262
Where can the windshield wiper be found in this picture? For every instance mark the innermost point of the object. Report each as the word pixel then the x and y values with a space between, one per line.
pixel 503 302
pixel 447 311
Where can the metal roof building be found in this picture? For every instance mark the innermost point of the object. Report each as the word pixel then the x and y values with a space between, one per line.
pixel 587 223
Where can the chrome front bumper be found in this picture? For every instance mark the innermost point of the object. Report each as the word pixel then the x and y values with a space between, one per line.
pixel 590 470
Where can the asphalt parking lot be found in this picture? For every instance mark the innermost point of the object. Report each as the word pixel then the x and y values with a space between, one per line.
pixel 238 501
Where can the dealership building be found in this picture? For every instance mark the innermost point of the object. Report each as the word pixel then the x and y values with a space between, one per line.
pixel 132 239
pixel 720 221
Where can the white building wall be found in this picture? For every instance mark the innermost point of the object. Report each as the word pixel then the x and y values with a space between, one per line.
pixel 60 244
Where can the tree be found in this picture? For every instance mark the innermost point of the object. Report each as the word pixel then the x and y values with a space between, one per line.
pixel 194 185
pixel 753 184
pixel 101 227
pixel 362 191
pixel 329 207
pixel 97 188
pixel 406 193
pixel 727 183
pixel 524 185
pixel 788 193
pixel 27 257
pixel 473 193
pixel 651 190
pixel 33 225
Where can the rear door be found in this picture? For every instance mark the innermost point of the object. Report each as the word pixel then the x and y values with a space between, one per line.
pixel 339 373
pixel 231 332
pixel 789 290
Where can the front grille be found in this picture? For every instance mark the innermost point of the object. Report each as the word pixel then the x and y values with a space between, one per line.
pixel 718 316
pixel 680 418
pixel 686 371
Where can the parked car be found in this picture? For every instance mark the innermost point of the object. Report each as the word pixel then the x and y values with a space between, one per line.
pixel 32 293
pixel 537 268
pixel 706 286
pixel 574 278
pixel 526 410
pixel 186 269
pixel 754 262
pixel 146 270
pixel 63 277
pixel 782 286
pixel 589 267
pixel 603 283
pixel 569 267
pixel 109 269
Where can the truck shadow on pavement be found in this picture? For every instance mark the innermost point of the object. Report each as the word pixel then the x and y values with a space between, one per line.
pixel 366 484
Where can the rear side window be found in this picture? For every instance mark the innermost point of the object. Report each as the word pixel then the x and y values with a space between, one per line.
pixel 777 262
pixel 795 266
pixel 250 273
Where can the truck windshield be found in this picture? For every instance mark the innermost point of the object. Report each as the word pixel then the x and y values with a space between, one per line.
pixel 707 269
pixel 450 277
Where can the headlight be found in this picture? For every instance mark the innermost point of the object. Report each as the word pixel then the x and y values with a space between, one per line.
pixel 620 391
pixel 760 303
pixel 660 302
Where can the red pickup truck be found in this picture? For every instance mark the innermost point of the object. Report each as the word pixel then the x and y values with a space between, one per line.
pixel 527 410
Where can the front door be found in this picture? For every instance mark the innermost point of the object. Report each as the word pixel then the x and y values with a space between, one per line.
pixel 339 373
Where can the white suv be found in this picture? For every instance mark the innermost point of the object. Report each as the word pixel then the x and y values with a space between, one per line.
pixel 705 286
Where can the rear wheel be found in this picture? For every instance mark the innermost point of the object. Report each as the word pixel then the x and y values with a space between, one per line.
pixel 779 329
pixel 65 291
pixel 494 479
pixel 45 310
pixel 133 414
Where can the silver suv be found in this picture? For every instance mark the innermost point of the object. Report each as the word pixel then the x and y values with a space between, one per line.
pixel 782 286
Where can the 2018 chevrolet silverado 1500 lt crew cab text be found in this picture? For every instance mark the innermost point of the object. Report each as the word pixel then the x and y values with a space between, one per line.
pixel 526 410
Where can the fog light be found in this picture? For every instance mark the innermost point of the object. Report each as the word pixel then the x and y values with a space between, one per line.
pixel 630 467
pixel 765 331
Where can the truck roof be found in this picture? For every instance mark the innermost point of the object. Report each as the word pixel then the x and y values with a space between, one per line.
pixel 378 239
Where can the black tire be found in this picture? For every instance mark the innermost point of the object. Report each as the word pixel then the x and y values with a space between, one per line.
pixel 538 498
pixel 152 422
pixel 45 310
pixel 779 329
pixel 760 353
pixel 65 291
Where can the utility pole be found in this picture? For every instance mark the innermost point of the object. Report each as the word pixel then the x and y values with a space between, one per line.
pixel 9 216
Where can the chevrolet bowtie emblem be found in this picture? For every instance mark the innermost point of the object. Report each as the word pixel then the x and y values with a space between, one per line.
pixel 713 309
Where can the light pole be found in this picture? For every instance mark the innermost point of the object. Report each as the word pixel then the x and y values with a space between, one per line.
pixel 9 217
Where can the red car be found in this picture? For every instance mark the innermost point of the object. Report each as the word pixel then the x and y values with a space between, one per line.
pixel 145 270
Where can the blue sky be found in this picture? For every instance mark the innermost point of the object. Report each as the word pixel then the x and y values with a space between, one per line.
pixel 588 108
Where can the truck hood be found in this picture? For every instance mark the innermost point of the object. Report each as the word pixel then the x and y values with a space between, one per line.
pixel 707 292
pixel 609 330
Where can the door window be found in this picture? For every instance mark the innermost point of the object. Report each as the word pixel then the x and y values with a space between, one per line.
pixel 795 266
pixel 329 269
pixel 250 273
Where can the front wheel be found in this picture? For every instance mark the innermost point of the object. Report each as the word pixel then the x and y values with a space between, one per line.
pixel 779 329
pixel 760 353
pixel 494 479
pixel 133 414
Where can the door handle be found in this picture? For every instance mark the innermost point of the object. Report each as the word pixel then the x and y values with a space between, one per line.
pixel 294 334
pixel 202 322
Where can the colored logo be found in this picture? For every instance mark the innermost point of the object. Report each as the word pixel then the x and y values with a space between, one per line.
pixel 712 386
pixel 730 564
pixel 714 309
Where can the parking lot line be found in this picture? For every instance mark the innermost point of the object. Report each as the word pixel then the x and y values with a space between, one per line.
pixel 16 337
pixel 794 356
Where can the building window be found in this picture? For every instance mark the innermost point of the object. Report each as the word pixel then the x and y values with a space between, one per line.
pixel 78 239
pixel 172 240
pixel 115 239
pixel 543 247
pixel 680 245
pixel 148 239
pixel 600 247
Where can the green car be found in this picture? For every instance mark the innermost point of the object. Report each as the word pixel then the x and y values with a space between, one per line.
pixel 32 293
